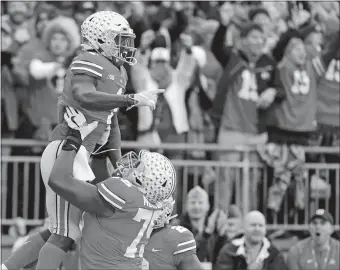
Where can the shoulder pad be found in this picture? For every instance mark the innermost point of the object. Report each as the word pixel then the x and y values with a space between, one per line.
pixel 116 191
pixel 183 240
pixel 88 64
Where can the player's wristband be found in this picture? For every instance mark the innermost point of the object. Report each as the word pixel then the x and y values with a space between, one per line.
pixel 73 140
pixel 130 100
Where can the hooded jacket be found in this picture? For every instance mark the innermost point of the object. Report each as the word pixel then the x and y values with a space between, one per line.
pixel 41 97
pixel 232 257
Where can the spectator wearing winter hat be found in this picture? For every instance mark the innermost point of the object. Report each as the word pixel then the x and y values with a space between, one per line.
pixel 292 118
pixel 244 87
pixel 46 73
pixel 320 250
pixel 84 9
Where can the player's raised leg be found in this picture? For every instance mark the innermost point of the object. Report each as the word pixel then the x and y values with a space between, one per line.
pixel 64 218
pixel 28 252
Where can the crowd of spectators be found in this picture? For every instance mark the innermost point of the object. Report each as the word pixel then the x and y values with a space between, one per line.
pixel 236 73
pixel 229 240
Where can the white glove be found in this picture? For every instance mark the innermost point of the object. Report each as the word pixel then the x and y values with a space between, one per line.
pixel 266 98
pixel 147 98
pixel 76 120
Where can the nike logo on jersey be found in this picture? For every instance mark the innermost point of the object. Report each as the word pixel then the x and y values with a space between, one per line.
pixel 155 250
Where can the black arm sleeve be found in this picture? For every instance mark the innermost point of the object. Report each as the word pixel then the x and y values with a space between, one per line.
pixel 220 51
pixel 181 22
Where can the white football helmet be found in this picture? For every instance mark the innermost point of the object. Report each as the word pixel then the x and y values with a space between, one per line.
pixel 109 33
pixel 153 173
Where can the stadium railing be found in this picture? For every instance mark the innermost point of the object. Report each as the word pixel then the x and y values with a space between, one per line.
pixel 21 185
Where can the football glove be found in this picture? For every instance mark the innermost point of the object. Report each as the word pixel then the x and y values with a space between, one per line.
pixel 147 98
pixel 76 120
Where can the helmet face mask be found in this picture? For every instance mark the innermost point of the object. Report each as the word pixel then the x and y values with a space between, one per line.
pixel 165 216
pixel 119 46
pixel 110 34
pixel 127 163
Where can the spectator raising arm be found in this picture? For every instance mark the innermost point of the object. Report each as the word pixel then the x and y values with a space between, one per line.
pixel 40 70
pixel 179 24
pixel 218 48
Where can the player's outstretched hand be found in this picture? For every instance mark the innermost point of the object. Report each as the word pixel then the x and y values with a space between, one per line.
pixel 76 120
pixel 148 98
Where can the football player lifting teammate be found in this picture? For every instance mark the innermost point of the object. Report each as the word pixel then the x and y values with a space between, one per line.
pixel 120 213
pixel 94 85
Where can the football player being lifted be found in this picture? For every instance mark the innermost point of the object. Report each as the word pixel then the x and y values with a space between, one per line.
pixel 120 213
pixel 94 85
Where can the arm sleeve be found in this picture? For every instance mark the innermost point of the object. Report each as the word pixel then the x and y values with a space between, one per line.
pixel 293 258
pixel 218 48
pixel 180 23
pixel 278 85
pixel 39 70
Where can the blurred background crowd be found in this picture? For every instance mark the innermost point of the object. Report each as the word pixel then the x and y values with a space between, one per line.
pixel 288 96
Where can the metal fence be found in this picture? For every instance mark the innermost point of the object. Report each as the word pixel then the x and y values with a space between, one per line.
pixel 22 191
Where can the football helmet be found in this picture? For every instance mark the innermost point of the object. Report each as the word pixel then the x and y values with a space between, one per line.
pixel 109 33
pixel 152 173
